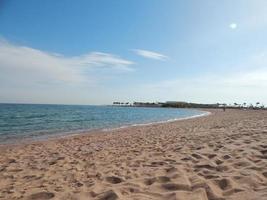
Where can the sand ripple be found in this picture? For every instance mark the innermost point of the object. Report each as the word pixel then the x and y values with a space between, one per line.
pixel 218 157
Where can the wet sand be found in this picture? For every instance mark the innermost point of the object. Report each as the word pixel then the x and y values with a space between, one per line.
pixel 216 157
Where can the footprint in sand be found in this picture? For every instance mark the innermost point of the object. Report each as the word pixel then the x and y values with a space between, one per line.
pixel 264 174
pixel 149 181
pixel 114 179
pixel 109 195
pixel 160 179
pixel 224 183
pixel 41 196
pixel 174 186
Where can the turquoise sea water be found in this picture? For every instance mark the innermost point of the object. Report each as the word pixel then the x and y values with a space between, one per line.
pixel 29 121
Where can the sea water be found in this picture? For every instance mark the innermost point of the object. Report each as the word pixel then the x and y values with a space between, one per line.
pixel 31 121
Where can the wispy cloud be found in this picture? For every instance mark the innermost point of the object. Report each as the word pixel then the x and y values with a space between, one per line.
pixel 150 54
pixel 25 64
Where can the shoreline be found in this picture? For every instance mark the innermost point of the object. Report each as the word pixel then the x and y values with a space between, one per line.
pixel 222 156
pixel 58 136
pixel 159 122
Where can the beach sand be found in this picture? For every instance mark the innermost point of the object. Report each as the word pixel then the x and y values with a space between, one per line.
pixel 216 157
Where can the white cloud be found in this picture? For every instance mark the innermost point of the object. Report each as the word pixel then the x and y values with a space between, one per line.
pixel 247 84
pixel 150 54
pixel 233 26
pixel 25 65
pixel 248 87
pixel 102 60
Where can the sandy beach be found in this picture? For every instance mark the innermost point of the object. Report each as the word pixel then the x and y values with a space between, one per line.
pixel 216 157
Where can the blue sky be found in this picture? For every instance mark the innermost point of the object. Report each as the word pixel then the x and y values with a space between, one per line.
pixel 96 52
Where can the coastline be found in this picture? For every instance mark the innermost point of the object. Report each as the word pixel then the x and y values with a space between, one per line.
pixel 206 113
pixel 217 157
pixel 58 136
